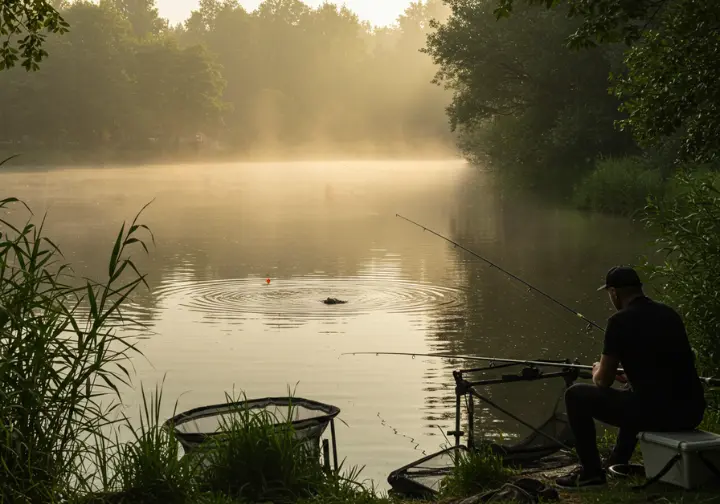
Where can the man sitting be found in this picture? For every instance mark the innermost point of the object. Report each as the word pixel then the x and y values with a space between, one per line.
pixel 664 393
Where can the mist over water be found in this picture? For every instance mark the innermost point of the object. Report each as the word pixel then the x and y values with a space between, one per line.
pixel 328 229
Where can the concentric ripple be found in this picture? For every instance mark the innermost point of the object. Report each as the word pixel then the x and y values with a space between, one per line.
pixel 302 297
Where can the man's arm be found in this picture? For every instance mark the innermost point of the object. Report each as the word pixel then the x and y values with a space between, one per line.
pixel 605 371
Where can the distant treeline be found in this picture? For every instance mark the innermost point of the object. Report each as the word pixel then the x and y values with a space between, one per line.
pixel 281 78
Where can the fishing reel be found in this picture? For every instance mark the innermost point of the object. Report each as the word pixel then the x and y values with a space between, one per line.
pixel 528 373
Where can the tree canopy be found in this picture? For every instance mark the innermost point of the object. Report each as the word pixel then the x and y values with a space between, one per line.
pixel 521 99
pixel 671 87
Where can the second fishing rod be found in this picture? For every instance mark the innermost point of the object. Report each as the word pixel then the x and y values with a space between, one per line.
pixel 590 323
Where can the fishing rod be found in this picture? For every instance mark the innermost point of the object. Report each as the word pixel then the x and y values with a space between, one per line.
pixel 565 365
pixel 712 382
pixel 515 277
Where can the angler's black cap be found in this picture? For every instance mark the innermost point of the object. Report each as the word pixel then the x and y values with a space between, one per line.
pixel 621 276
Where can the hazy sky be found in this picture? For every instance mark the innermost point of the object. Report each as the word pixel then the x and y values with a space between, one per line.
pixel 378 12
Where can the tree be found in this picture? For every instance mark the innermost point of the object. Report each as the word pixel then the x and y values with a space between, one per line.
pixel 22 23
pixel 142 15
pixel 178 91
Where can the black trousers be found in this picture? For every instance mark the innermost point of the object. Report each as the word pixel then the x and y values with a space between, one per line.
pixel 585 403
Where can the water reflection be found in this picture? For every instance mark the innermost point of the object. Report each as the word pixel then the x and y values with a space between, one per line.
pixel 321 230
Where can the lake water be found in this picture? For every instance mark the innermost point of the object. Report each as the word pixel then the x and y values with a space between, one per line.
pixel 330 229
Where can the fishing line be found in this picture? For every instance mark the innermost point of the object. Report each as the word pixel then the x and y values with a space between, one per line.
pixel 397 433
pixel 511 275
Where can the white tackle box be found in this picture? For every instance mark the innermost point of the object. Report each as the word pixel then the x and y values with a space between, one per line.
pixel 658 448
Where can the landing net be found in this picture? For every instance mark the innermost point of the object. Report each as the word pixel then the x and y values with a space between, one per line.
pixel 309 419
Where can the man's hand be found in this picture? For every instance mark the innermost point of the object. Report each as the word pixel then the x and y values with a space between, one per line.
pixel 620 377
pixel 605 372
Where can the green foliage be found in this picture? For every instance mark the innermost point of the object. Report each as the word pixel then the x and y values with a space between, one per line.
pixel 619 186
pixel 60 360
pixel 22 23
pixel 603 21
pixel 475 471
pixel 142 15
pixel 687 227
pixel 671 85
pixel 522 100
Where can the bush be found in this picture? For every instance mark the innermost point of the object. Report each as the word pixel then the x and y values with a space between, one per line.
pixel 619 186
pixel 687 228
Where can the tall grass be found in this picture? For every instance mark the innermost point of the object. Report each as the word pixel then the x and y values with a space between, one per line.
pixel 61 361
pixel 151 468
pixel 475 471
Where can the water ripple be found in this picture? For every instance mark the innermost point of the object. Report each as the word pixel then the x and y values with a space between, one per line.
pixel 302 297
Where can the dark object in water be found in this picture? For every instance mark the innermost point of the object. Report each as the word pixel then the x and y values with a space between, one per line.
pixel 333 301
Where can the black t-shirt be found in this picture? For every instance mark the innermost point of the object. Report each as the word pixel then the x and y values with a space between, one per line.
pixel 650 340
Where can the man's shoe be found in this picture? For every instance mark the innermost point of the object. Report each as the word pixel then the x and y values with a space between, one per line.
pixel 579 478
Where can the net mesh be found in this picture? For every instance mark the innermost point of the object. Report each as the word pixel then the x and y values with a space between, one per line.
pixel 536 452
pixel 309 419
pixel 550 437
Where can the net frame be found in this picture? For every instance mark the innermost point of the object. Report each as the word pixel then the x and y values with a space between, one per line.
pixel 310 428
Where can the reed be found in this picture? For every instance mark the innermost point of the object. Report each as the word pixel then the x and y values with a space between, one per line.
pixel 61 360
pixel 150 468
